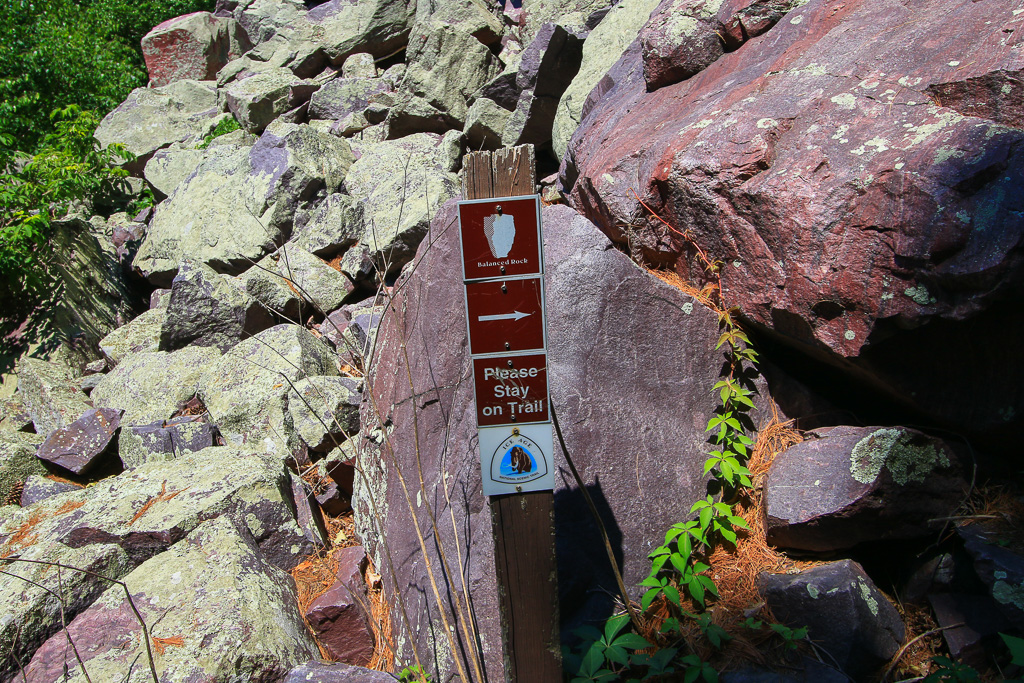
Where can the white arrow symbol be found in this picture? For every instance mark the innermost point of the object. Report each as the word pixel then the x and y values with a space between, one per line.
pixel 503 316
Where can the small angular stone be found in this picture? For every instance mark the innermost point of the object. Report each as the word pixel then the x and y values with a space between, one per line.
pixel 39 488
pixel 80 446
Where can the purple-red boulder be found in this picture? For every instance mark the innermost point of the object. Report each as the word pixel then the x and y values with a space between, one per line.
pixel 194 46
pixel 81 445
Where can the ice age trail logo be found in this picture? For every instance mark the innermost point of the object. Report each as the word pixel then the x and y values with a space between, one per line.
pixel 518 459
pixel 500 230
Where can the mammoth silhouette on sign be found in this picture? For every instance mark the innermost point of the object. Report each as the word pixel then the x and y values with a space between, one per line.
pixel 521 460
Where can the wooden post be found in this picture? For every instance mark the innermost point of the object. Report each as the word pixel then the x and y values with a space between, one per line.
pixel 523 523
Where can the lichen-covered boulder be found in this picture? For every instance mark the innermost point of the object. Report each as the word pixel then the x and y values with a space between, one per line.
pixel 446 66
pixel 239 204
pixel 153 385
pixel 601 50
pixel 844 612
pixel 332 227
pixel 260 98
pixel 194 46
pixel 82 445
pixel 140 334
pixel 343 96
pixel 165 440
pixel 325 410
pixel 152 118
pixel 246 390
pixel 209 309
pixel 860 484
pixel 401 184
pixel 18 460
pixel 48 392
pixel 296 284
pixel 219 612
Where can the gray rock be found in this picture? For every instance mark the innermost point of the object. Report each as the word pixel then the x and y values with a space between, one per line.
pixel 167 168
pixel 446 66
pixel 194 46
pixel 335 225
pixel 152 386
pixel 546 68
pixel 152 118
pixel 325 410
pixel 845 614
pixel 262 97
pixel 295 284
pixel 485 122
pixel 18 460
pixel 246 390
pixel 254 191
pixel 344 96
pixel 595 295
pixel 402 183
pixel 602 49
pixel 165 440
pixel 82 445
pixel 234 617
pixel 359 65
pixel 39 488
pixel 48 392
pixel 335 672
pixel 140 334
pixel 14 416
pixel 860 484
pixel 209 309
pixel 1000 568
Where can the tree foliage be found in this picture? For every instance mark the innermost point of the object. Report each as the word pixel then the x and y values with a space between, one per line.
pixel 54 53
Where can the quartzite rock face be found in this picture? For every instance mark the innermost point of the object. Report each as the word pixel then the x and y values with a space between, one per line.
pixel 595 295
pixel 849 206
pixel 843 611
pixel 219 610
pixel 860 484
pixel 81 445
pixel 209 309
pixel 239 204
pixel 193 46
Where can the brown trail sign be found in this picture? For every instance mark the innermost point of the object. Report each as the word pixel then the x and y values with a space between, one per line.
pixel 506 245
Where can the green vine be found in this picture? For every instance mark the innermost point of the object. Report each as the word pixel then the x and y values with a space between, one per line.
pixel 679 577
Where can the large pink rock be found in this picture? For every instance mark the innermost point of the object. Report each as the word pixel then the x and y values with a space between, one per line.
pixel 194 46
pixel 857 171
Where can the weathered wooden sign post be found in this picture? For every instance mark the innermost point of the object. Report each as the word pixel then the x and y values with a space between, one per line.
pixel 503 271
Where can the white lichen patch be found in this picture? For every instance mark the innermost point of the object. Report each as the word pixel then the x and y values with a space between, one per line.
pixel 893 449
pixel 920 295
pixel 1008 594
pixel 865 594
pixel 845 100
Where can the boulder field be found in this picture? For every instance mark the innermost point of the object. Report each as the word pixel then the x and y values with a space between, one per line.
pixel 848 174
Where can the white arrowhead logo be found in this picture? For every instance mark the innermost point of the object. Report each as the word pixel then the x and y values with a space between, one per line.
pixel 517 315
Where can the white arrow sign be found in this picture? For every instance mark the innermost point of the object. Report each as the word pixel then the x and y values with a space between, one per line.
pixel 503 316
